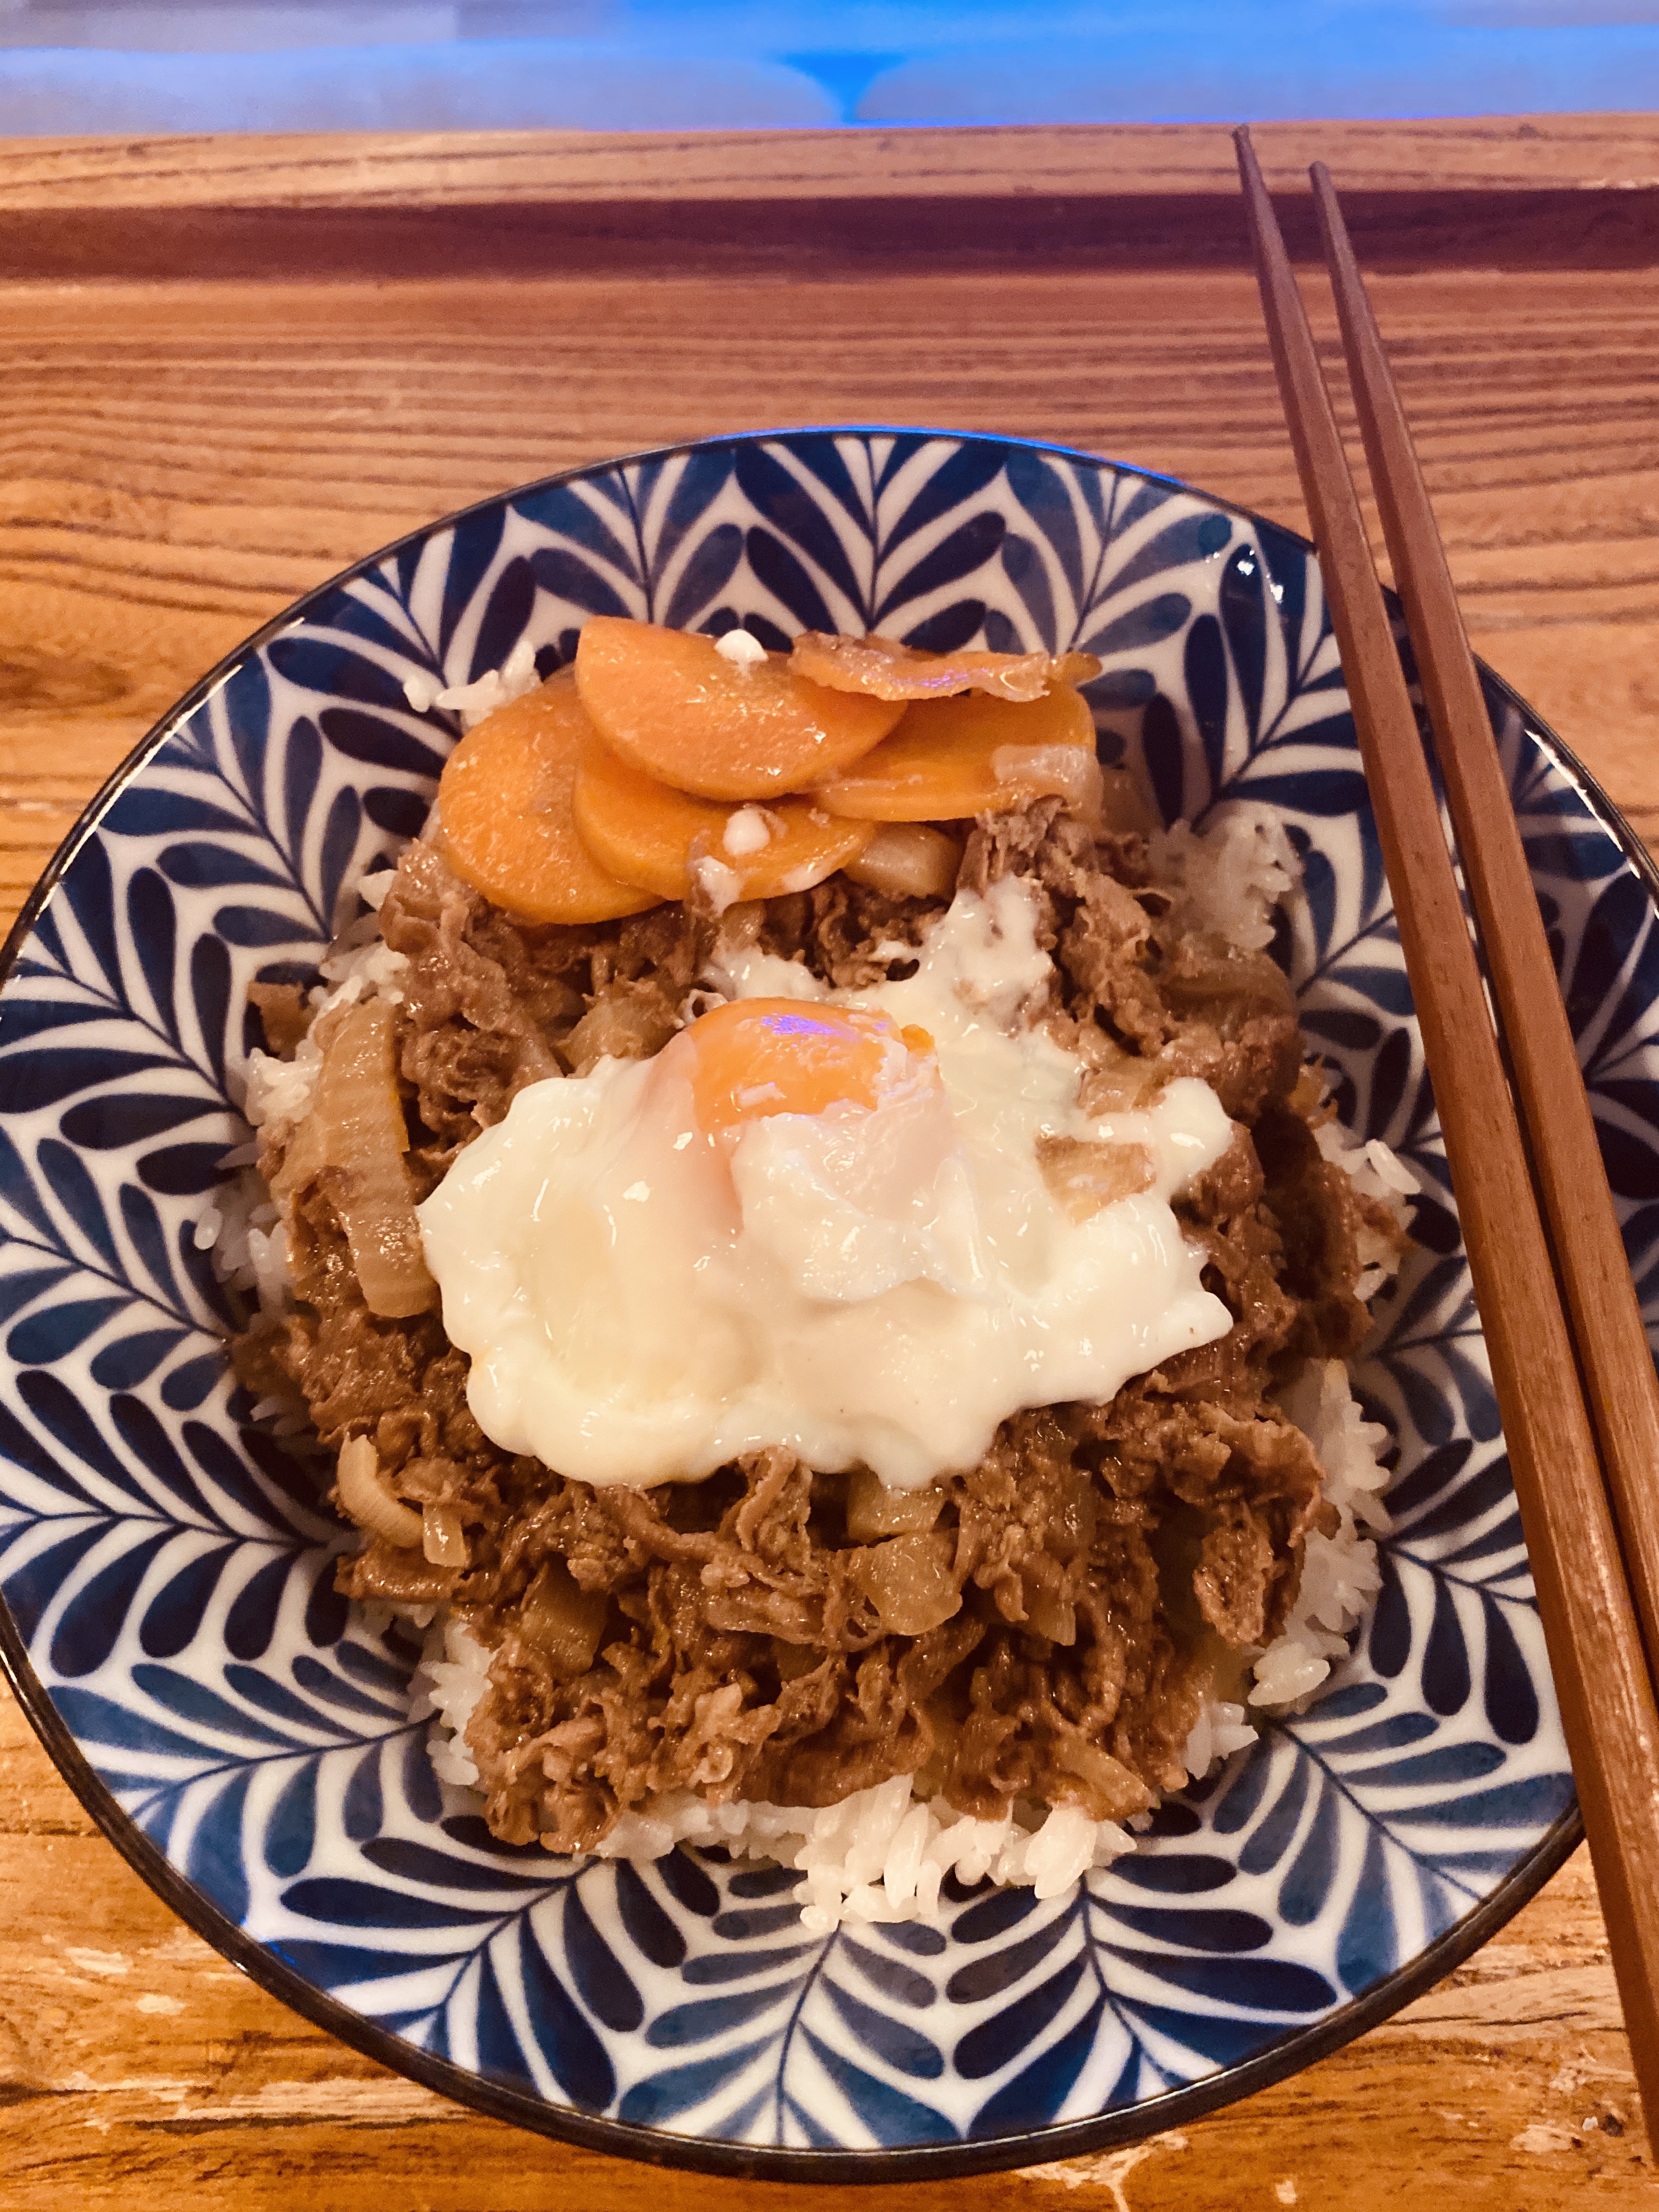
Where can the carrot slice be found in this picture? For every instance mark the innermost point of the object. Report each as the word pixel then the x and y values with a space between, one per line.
pixel 950 758
pixel 887 670
pixel 504 805
pixel 637 826
pixel 669 703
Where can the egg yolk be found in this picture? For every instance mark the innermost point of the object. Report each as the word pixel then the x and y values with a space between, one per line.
pixel 761 1056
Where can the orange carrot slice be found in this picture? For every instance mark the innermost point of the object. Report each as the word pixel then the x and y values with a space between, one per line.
pixel 637 826
pixel 950 758
pixel 504 806
pixel 669 703
pixel 887 670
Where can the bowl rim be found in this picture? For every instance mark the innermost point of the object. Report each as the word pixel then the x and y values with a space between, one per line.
pixel 664 2146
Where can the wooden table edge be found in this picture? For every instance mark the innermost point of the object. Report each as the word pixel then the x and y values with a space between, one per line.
pixel 1488 154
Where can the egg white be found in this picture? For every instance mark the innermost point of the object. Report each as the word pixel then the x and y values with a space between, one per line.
pixel 642 1302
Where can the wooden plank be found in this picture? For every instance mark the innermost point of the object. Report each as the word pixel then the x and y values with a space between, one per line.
pixel 1514 153
pixel 1565 191
pixel 182 460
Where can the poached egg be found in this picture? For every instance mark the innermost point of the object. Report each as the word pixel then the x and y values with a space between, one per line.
pixel 826 1221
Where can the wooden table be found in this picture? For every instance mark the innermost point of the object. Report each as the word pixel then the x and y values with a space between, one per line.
pixel 230 366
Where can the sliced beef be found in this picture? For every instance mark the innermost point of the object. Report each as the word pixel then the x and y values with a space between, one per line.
pixel 491 1003
pixel 835 929
pixel 1066 1607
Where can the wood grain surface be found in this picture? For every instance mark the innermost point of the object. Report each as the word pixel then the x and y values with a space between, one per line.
pixel 1516 154
pixel 182 458
pixel 1579 191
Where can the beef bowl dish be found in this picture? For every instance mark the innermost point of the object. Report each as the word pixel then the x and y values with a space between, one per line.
pixel 741 1408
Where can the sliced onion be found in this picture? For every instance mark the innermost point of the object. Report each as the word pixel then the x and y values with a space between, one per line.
pixel 1083 1175
pixel 382 1571
pixel 356 1129
pixel 1067 772
pixel 1050 1616
pixel 907 859
pixel 1223 983
pixel 1122 806
pixel 443 1539
pixel 909 1584
pixel 1110 1790
pixel 757 1610
pixel 887 670
pixel 365 1498
pixel 367 1137
pixel 1117 1082
pixel 566 1620
pixel 873 1509
pixel 304 1156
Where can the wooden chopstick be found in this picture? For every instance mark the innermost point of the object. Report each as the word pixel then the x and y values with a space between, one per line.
pixel 1584 1599
pixel 1622 1386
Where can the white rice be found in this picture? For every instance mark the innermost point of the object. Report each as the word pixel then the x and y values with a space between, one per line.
pixel 881 1854
pixel 452 1675
pixel 1376 1173
pixel 1228 878
pixel 240 1229
pixel 496 687
pixel 1220 1729
pixel 357 965
pixel 1340 1573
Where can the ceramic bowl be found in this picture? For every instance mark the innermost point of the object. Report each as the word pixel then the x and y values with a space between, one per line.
pixel 170 1621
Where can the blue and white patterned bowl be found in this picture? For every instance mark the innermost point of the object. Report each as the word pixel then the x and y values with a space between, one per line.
pixel 170 1622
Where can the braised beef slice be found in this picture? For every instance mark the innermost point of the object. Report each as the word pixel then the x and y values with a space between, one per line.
pixel 1102 1556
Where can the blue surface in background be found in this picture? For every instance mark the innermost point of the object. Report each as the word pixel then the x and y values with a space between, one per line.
pixel 665 65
